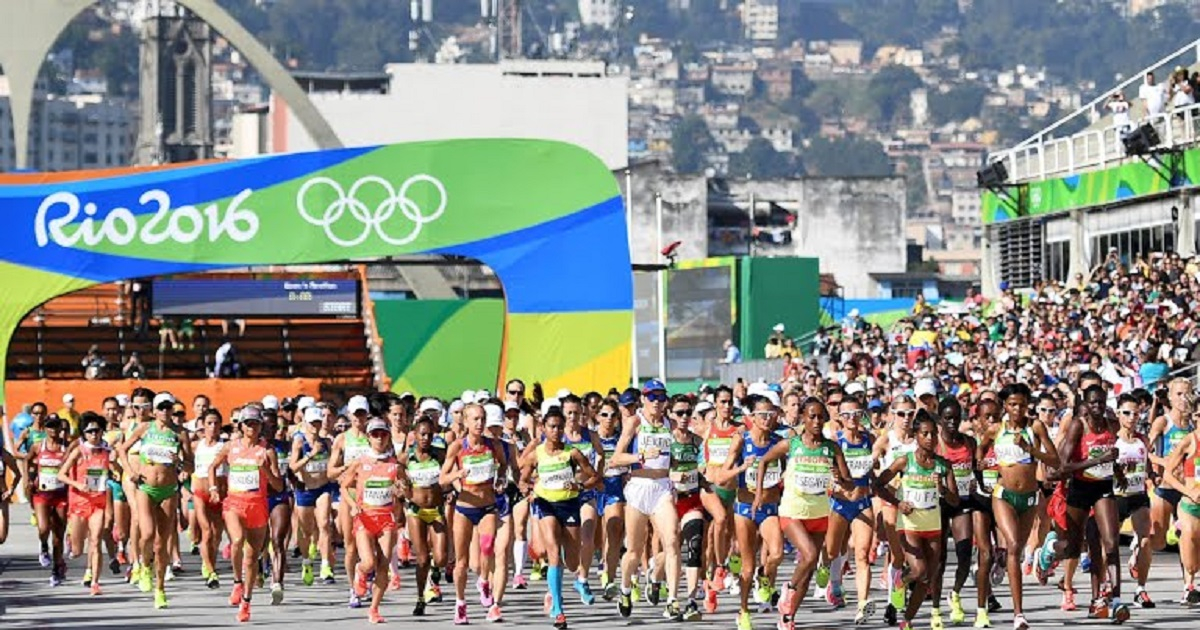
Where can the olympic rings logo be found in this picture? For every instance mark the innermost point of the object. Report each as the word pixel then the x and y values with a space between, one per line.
pixel 378 218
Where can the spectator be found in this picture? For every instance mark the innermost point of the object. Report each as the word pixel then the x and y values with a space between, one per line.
pixel 140 303
pixel 69 415
pixel 225 362
pixel 1180 90
pixel 133 368
pixel 732 354
pixel 94 365
pixel 240 323
pixel 167 335
pixel 1153 369
pixel 1119 108
pixel 187 333
pixel 1152 95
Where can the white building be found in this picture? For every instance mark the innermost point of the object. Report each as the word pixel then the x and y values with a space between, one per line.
pixel 84 131
pixel 599 13
pixel 760 20
pixel 568 101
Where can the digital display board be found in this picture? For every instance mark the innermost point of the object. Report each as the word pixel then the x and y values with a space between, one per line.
pixel 699 320
pixel 255 298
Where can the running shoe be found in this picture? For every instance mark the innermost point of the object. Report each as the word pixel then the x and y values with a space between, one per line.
pixel 1068 601
pixel 1173 534
pixel 957 614
pixel 360 583
pixel 560 621
pixel 170 577
pixel 744 621
pixel 822 577
pixel 999 567
pixel 306 574
pixel 405 553
pixel 56 578
pixel 213 581
pixel 1119 612
pixel 1098 609
pixel 160 599
pixel 981 619
pixel 1142 599
pixel 460 614
pixel 87 578
pixel 355 601
pixel 235 597
pixel 122 558
pixel 905 625
pixel 537 572
pixel 762 590
pixel 433 594
pixel 1192 596
pixel 494 615
pixel 935 619
pixel 114 566
pixel 44 559
pixel 610 588
pixel 327 574
pixel 672 612
pixel 889 615
pixel 1085 562
pixel 276 594
pixel 145 580
pixel 866 610
pixel 520 583
pixel 585 592
pixel 243 614
pixel 653 593
pixel 419 608
pixel 735 564
pixel 313 553
pixel 710 601
pixel 374 617
pixel 1019 623
pixel 625 604
pixel 1045 561
pixel 485 593
pixel 95 589
pixel 994 604
pixel 691 612
pixel 394 583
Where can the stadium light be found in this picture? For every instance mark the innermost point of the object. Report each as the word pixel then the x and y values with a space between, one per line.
pixel 1142 140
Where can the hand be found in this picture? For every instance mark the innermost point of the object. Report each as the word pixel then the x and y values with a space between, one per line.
pixel 757 504
pixel 1110 456
pixel 652 452
pixel 1022 443
pixel 749 463
pixel 1195 495
pixel 905 508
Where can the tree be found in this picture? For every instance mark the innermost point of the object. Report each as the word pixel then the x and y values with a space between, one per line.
pixel 690 142
pixel 760 160
pixel 890 89
pixel 846 157
pixel 960 103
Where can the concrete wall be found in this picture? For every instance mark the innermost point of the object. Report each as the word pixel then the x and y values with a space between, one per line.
pixel 453 101
pixel 854 226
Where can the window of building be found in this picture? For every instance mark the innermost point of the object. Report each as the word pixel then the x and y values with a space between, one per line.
pixel 1132 244
pixel 1058 261
pixel 1018 250
pixel 907 288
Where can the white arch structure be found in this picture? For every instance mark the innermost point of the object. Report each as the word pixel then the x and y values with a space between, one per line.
pixel 28 28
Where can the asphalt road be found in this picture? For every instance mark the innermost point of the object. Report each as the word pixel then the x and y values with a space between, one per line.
pixel 28 601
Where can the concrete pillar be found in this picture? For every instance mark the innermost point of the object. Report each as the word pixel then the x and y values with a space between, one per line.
pixel 1185 225
pixel 1079 246
pixel 989 274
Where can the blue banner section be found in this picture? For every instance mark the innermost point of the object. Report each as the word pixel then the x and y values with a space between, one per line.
pixel 542 255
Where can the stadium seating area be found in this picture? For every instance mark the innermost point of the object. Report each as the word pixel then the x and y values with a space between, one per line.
pixel 53 340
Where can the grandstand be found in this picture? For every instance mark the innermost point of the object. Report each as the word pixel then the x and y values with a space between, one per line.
pixel 340 352
pixel 1055 205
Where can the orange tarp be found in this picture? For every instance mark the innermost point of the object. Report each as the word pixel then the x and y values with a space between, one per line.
pixel 224 393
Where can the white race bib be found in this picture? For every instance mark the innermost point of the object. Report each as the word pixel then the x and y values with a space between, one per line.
pixel 377 493
pixel 243 478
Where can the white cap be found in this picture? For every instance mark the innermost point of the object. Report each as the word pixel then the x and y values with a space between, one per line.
pixel 164 397
pixel 456 405
pixel 778 328
pixel 377 424
pixel 305 402
pixel 358 403
pixel 509 406
pixel 853 312
pixel 270 402
pixel 122 400
pixel 925 386
pixel 313 414
pixel 482 395
pixel 495 417
pixel 431 404
pixel 548 403
pixel 68 398
pixel 771 396
pixel 854 387
pixel 703 407
pixel 468 397
pixel 758 389
pixel 562 393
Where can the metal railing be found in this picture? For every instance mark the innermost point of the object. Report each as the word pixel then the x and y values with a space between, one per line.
pixel 1095 148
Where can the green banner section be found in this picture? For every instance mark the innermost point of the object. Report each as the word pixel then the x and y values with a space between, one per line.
pixel 441 347
pixel 777 291
pixel 1135 178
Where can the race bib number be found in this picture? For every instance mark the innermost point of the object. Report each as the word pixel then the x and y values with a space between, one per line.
pixel 377 493
pixel 811 483
pixel 424 476
pixel 243 478
pixel 556 476
pixel 480 468
pixel 685 480
pixel 965 481
pixel 990 477
pixel 921 498
pixel 718 451
pixel 48 480
pixel 317 466
pixel 773 476
pixel 96 480
pixel 1101 471
pixel 859 466
pixel 158 454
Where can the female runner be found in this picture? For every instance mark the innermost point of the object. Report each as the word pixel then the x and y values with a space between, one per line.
pixel 347 448
pixel 895 441
pixel 208 508
pixel 1133 503
pixel 252 468
pixel 852 520
pixel 561 473
pixel 49 495
pixel 309 461
pixel 376 476
pixel 475 461
pixel 612 498
pixel 960 451
pixel 685 477
pixel 718 498
pixel 421 467
pixel 577 436
pixel 925 480
pixel 85 471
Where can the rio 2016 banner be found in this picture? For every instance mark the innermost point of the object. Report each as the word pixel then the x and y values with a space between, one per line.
pixel 1134 178
pixel 547 217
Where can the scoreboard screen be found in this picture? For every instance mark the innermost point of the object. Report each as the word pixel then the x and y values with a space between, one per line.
pixel 255 298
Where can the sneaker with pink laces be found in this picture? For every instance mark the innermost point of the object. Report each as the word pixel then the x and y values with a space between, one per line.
pixel 494 615
pixel 520 583
pixel 460 614
pixel 485 593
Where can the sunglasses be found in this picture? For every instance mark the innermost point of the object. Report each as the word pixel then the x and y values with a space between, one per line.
pixel 763 414
pixel 681 413
pixel 834 402
pixel 1046 409
pixel 141 405
pixel 849 414
pixel 92 430
pixel 906 413
pixel 656 397
pixel 379 434
pixel 1127 413
pixel 605 414
pixel 516 392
